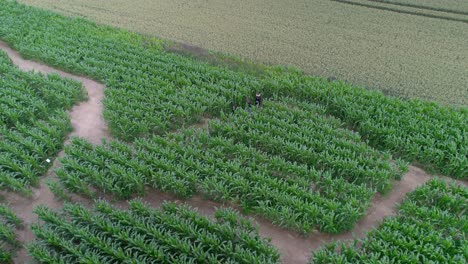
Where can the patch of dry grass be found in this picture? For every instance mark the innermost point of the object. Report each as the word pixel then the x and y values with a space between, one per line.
pixel 401 54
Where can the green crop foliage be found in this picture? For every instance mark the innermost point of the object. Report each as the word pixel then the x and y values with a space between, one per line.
pixel 304 172
pixel 9 222
pixel 431 227
pixel 310 138
pixel 58 190
pixel 424 132
pixel 33 123
pixel 152 92
pixel 141 234
pixel 149 91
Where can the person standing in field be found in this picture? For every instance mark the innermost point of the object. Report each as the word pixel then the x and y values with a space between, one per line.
pixel 258 100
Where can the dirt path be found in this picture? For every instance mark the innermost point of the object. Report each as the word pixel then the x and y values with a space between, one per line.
pixel 87 121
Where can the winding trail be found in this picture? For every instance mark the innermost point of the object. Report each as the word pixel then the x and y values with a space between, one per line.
pixel 88 122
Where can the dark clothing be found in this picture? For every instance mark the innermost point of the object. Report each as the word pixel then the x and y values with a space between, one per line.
pixel 258 100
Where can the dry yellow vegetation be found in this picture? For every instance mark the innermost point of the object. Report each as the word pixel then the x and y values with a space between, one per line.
pixel 401 54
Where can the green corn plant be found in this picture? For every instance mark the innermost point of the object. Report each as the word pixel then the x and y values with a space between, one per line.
pixel 8 215
pixel 58 190
pixel 7 233
pixel 9 222
pixel 32 129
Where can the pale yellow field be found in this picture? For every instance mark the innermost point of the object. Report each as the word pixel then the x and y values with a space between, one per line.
pixel 401 54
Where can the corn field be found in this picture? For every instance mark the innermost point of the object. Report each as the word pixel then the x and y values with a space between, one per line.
pixel 432 135
pixel 141 234
pixel 431 227
pixel 311 158
pixel 310 138
pixel 294 166
pixel 152 92
pixel 33 123
pixel 9 222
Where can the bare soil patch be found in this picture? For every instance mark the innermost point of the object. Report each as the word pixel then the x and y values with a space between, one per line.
pixel 217 58
pixel 202 124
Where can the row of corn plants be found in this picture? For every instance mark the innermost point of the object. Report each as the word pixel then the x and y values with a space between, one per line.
pixel 289 194
pixel 295 193
pixel 33 123
pixel 141 234
pixel 9 222
pixel 309 138
pixel 424 132
pixel 110 168
pixel 431 227
pixel 225 176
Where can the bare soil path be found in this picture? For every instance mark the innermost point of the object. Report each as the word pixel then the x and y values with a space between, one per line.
pixel 88 122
